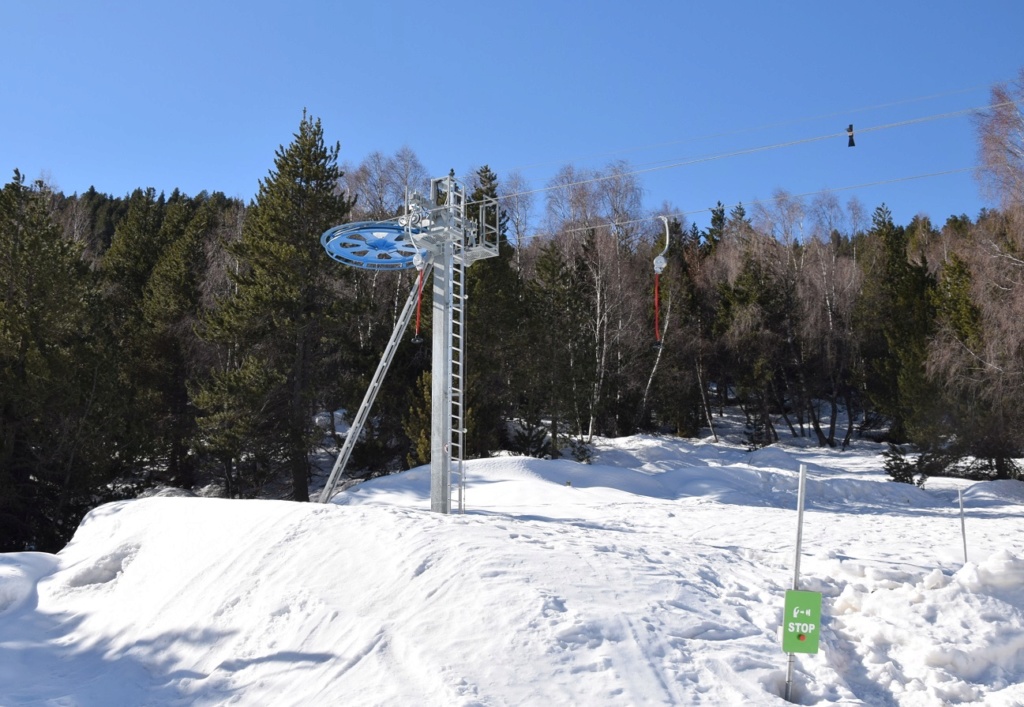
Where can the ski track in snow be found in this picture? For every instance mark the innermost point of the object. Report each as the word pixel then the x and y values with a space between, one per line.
pixel 655 576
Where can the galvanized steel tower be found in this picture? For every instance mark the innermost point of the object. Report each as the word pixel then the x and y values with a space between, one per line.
pixel 434 234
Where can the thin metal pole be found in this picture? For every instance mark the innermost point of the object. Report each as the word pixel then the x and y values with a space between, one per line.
pixel 963 525
pixel 801 492
pixel 789 677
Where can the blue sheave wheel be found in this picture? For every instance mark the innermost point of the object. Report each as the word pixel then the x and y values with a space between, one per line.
pixel 370 245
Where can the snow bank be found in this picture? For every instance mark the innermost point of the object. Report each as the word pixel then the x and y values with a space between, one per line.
pixel 654 576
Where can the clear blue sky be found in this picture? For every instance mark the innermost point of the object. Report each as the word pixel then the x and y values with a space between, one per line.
pixel 197 94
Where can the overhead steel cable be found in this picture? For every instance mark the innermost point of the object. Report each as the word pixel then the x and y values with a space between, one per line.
pixel 646 219
pixel 763 148
pixel 769 126
pixel 754 150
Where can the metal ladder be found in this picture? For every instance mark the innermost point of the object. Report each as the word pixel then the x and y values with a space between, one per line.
pixel 457 372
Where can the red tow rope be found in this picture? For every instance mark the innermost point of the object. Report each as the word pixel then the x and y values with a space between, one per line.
pixel 419 301
pixel 657 309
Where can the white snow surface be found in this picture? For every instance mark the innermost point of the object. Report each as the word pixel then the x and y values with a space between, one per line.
pixel 654 576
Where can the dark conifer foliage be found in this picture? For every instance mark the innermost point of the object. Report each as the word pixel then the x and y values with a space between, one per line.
pixel 275 326
pixel 494 331
pixel 166 340
pixel 898 314
pixel 54 384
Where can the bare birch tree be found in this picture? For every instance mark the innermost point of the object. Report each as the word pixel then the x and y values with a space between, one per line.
pixel 1001 143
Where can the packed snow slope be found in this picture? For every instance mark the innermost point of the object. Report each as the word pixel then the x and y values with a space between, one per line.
pixel 654 576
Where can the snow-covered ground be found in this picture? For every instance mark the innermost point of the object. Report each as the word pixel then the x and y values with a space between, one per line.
pixel 654 576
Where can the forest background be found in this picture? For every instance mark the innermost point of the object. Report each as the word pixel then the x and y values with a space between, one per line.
pixel 202 342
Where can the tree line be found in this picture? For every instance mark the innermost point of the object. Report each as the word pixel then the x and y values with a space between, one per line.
pixel 188 341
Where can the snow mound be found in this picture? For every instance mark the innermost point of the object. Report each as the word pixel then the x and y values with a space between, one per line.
pixel 655 576
pixel 19 574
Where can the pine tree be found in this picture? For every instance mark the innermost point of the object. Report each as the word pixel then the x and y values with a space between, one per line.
pixel 897 318
pixel 171 307
pixel 417 423
pixel 716 230
pixel 52 378
pixel 494 329
pixel 139 241
pixel 555 333
pixel 979 430
pixel 278 325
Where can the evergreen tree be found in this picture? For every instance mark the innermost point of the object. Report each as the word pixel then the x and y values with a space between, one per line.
pixel 978 433
pixel 417 423
pixel 752 321
pixel 494 329
pixel 954 305
pixel 90 220
pixel 897 317
pixel 139 241
pixel 278 326
pixel 554 383
pixel 53 380
pixel 716 230
pixel 171 307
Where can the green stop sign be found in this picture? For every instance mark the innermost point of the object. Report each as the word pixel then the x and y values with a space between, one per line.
pixel 801 622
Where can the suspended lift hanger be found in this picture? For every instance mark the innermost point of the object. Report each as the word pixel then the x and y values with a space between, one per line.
pixel 659 266
pixel 421 265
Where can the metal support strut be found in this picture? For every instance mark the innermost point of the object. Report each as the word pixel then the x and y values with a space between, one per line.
pixel 371 392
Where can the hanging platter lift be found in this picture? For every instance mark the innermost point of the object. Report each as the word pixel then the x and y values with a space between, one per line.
pixel 435 235
pixel 659 267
